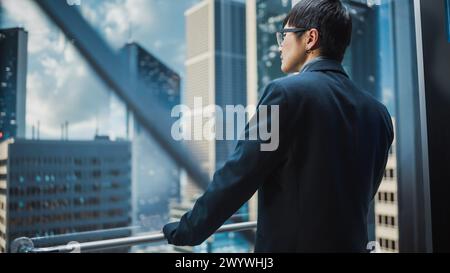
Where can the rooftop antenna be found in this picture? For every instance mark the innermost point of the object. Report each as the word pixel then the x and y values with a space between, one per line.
pixel 130 32
pixel 96 126
pixel 38 130
pixel 127 121
pixel 67 130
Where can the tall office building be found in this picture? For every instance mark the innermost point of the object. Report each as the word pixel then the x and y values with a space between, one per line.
pixel 49 188
pixel 13 75
pixel 386 206
pixel 216 71
pixel 263 19
pixel 216 74
pixel 156 177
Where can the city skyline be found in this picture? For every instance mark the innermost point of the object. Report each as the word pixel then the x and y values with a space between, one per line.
pixel 69 80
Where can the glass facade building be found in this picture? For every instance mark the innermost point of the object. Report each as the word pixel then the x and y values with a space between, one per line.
pixel 51 188
pixel 13 75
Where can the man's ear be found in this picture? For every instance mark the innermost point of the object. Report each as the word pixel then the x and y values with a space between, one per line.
pixel 312 39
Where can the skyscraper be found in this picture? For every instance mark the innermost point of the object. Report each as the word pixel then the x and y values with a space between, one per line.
pixel 215 69
pixel 216 74
pixel 49 188
pixel 156 177
pixel 386 205
pixel 13 74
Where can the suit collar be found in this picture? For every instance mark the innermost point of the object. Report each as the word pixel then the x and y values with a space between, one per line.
pixel 323 64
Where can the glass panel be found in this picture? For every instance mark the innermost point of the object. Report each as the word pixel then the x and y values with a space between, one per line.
pixel 371 63
pixel 122 183
pixel 69 171
pixel 269 19
pixel 82 169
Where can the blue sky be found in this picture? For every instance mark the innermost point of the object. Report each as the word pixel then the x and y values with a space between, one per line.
pixel 61 87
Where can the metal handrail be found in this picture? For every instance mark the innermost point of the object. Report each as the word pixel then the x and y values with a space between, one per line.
pixel 25 245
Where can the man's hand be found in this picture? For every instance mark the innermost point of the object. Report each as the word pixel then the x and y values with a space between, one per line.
pixel 169 230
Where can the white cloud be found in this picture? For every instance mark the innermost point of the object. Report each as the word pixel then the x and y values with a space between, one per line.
pixel 117 20
pixel 139 12
pixel 64 89
pixel 158 44
pixel 41 35
pixel 116 24
pixel 89 13
pixel 388 96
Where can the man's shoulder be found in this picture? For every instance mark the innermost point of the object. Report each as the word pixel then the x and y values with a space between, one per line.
pixel 296 78
pixel 300 81
pixel 315 86
pixel 298 85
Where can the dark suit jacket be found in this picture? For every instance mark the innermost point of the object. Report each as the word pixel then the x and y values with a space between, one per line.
pixel 315 189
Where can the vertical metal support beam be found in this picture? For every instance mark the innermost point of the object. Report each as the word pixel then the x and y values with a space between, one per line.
pixel 412 147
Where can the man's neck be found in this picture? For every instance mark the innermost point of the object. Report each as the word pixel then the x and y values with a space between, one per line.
pixel 311 59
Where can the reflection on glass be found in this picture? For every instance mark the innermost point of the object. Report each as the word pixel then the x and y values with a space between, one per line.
pixel 269 19
pixel 374 73
pixel 71 97
pixel 60 176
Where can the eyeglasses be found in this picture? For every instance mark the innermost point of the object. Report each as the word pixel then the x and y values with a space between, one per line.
pixel 282 34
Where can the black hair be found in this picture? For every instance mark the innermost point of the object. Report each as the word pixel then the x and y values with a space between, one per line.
pixel 331 18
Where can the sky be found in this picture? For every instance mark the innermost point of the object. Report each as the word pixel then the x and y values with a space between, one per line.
pixel 60 85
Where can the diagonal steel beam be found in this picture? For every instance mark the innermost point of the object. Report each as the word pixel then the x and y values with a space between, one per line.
pixel 154 118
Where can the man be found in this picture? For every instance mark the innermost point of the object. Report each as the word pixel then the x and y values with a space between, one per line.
pixel 315 189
